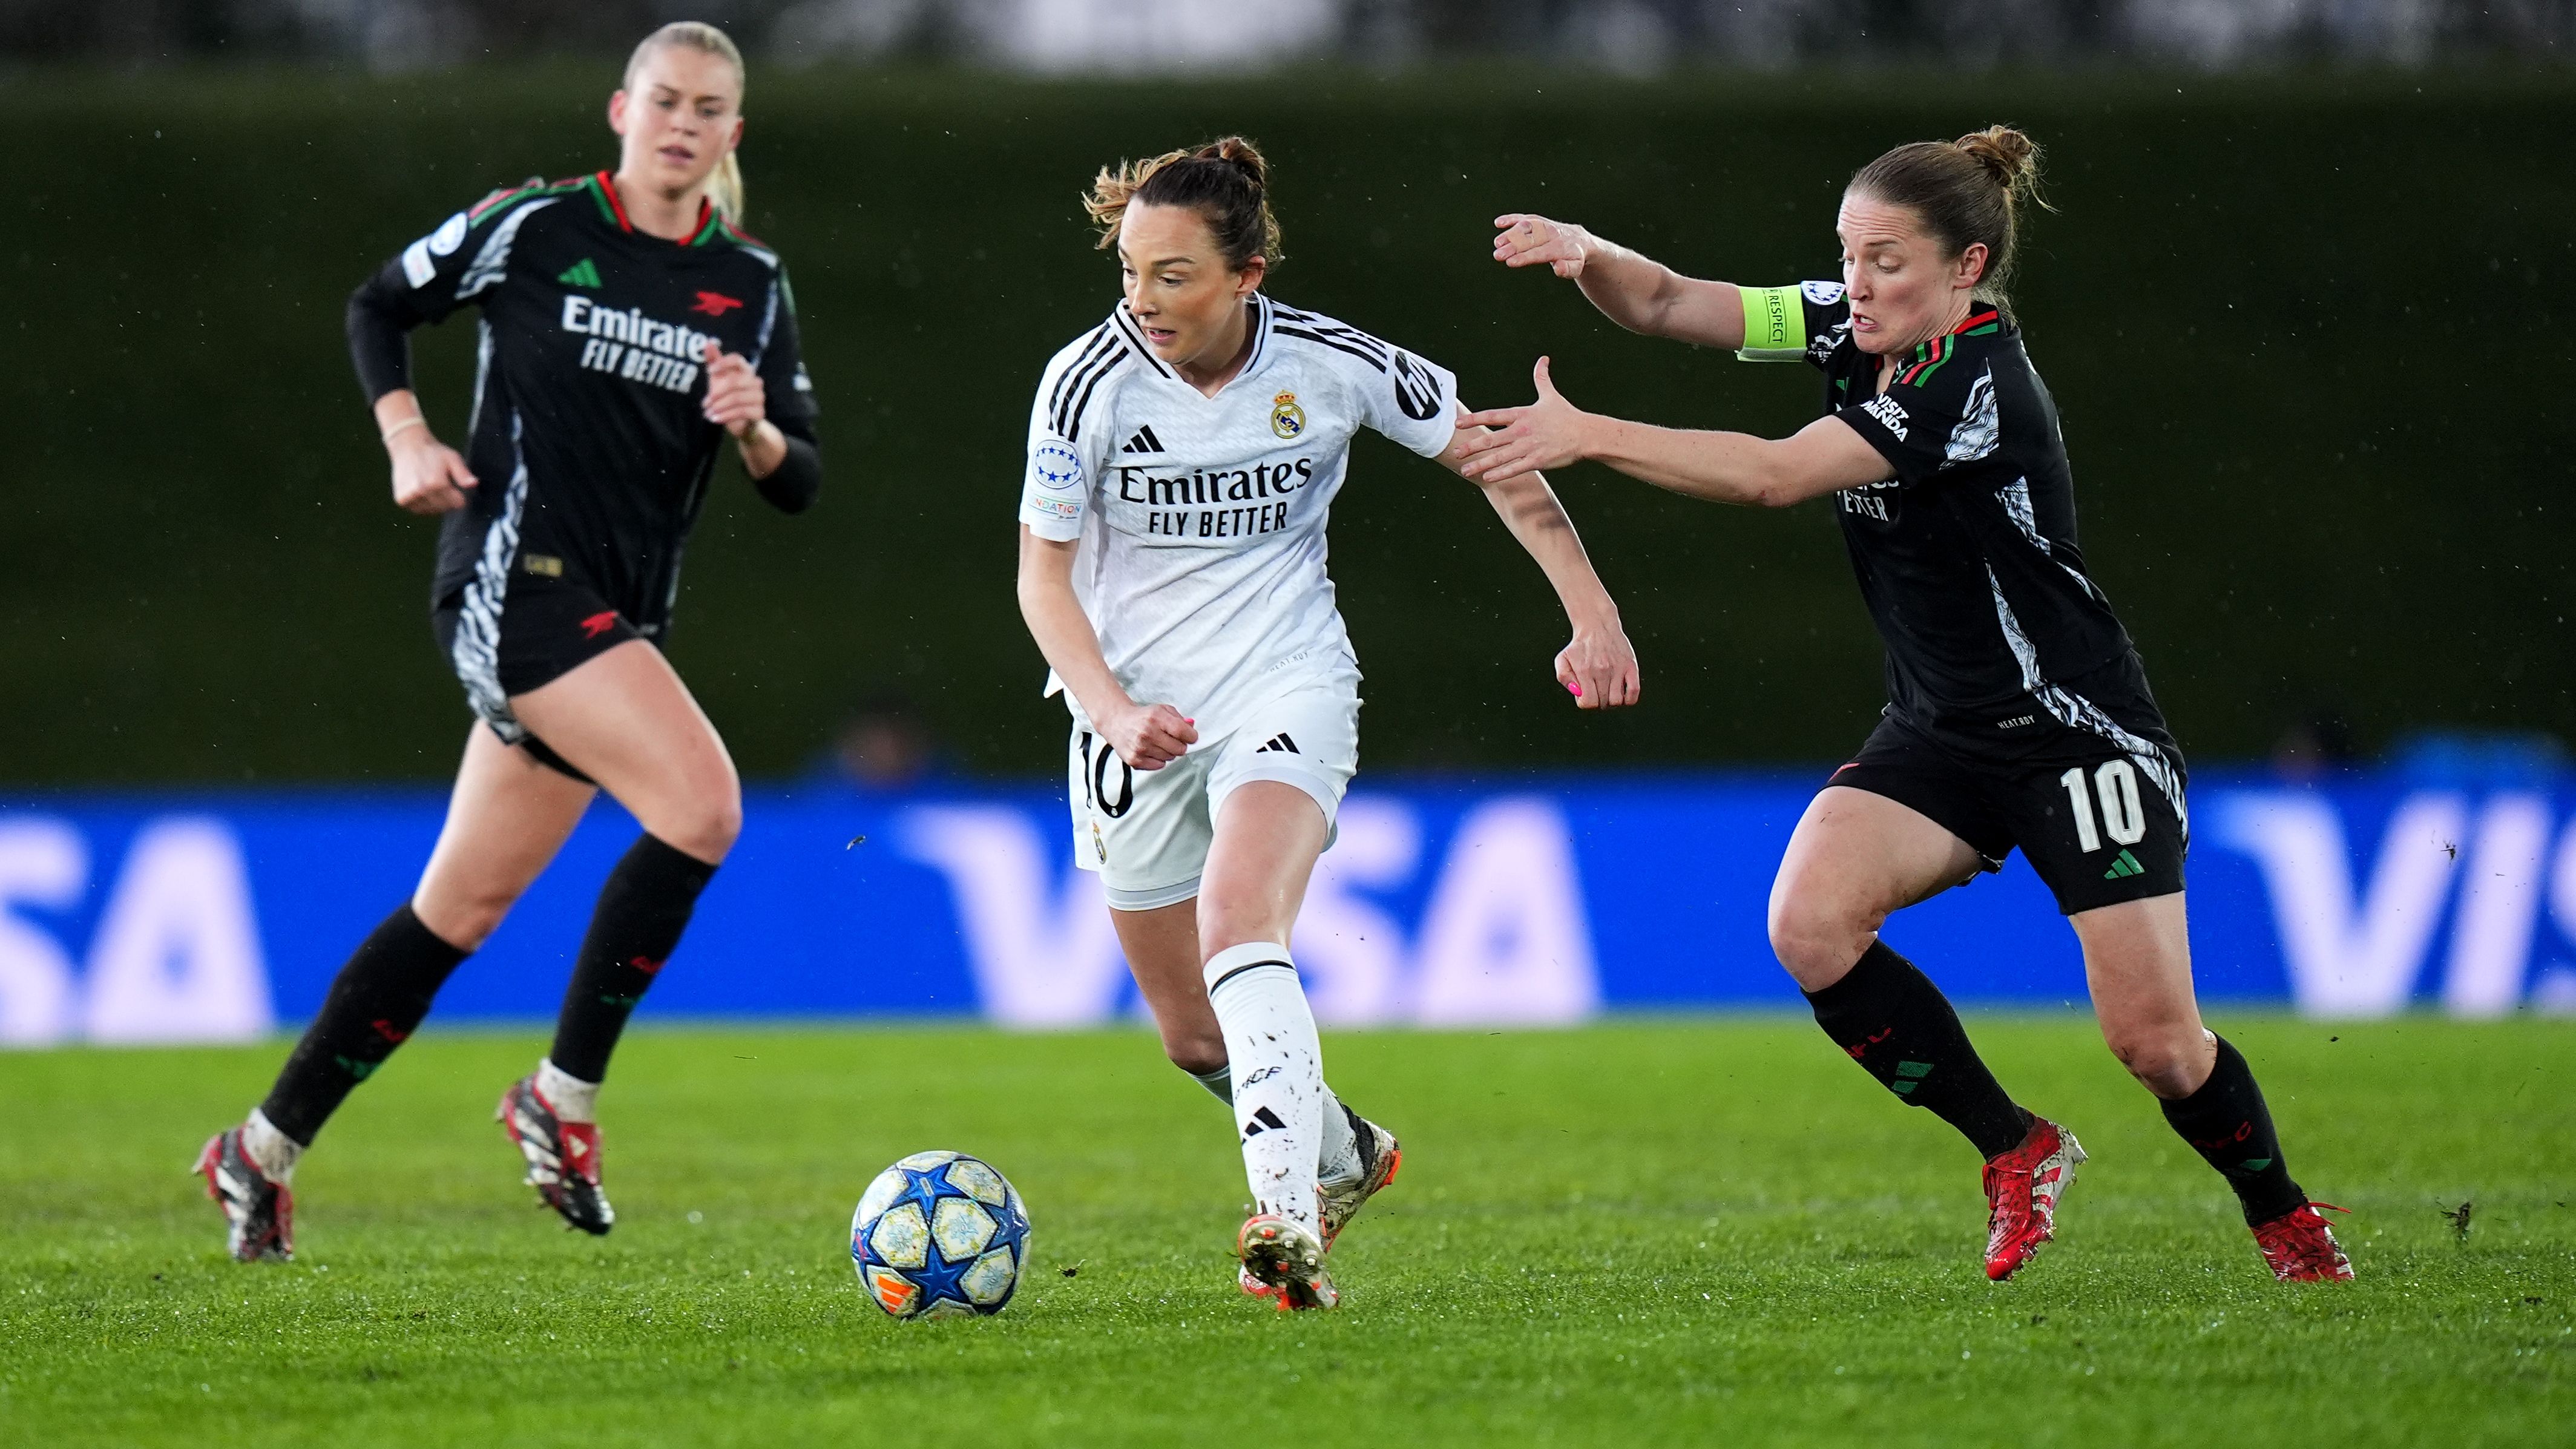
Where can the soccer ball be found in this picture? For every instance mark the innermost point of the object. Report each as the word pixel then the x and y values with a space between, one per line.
pixel 940 1235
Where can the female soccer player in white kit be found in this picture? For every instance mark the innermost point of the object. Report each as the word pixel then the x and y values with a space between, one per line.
pixel 1183 457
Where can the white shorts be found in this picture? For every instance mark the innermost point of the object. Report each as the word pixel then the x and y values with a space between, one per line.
pixel 1147 832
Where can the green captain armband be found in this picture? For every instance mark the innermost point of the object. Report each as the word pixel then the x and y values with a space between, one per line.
pixel 1775 325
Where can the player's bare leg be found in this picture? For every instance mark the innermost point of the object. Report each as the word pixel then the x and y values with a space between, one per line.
pixel 1162 950
pixel 625 719
pixel 1855 858
pixel 506 818
pixel 2137 962
pixel 1358 1156
pixel 1267 837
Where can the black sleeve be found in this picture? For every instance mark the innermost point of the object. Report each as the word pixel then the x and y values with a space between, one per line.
pixel 788 392
pixel 379 326
pixel 788 399
pixel 792 486
pixel 422 284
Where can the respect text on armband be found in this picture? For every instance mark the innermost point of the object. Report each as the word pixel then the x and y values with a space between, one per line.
pixel 633 346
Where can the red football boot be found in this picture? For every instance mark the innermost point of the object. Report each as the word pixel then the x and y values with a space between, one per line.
pixel 2022 1189
pixel 259 1215
pixel 2301 1248
pixel 562 1157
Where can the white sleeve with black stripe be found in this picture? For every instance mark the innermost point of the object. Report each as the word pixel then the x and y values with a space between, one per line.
pixel 1400 395
pixel 1065 457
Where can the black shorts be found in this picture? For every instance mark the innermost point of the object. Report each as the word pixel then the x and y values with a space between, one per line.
pixel 542 629
pixel 2102 818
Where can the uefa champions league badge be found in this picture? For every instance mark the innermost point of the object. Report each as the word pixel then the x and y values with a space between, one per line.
pixel 1056 466
pixel 1287 420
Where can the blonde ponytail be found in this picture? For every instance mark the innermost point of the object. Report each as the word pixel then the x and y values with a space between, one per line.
pixel 724 187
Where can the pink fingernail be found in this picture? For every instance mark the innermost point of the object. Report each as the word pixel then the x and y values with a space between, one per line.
pixel 1577 688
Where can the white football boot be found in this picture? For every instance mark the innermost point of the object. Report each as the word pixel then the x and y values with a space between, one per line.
pixel 1381 1157
pixel 1287 1261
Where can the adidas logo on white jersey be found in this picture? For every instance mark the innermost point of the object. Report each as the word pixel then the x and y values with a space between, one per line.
pixel 1143 442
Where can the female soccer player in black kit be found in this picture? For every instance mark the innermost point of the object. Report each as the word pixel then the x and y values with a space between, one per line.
pixel 629 326
pixel 2018 710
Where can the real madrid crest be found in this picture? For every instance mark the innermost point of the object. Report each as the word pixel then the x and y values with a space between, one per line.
pixel 1286 418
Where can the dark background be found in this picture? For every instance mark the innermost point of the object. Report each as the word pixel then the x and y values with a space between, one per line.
pixel 2304 331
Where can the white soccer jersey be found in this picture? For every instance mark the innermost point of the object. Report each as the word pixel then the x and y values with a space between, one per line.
pixel 1201 519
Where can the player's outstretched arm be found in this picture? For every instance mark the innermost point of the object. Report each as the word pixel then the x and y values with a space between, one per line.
pixel 1146 736
pixel 1598 666
pixel 1634 291
pixel 1825 456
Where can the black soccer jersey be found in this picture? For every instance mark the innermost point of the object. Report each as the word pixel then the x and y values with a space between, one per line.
pixel 1967 558
pixel 588 443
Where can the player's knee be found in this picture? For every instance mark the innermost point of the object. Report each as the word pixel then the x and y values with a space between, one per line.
pixel 1816 937
pixel 2170 1061
pixel 465 921
pixel 1225 924
pixel 705 824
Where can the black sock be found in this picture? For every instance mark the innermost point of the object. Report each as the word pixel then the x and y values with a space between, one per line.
pixel 376 1001
pixel 1892 1020
pixel 2228 1125
pixel 641 913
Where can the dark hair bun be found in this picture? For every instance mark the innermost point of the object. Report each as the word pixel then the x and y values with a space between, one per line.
pixel 2008 156
pixel 1240 154
pixel 1225 181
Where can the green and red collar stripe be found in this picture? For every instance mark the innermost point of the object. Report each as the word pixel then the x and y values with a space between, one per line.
pixel 1929 357
pixel 508 194
pixel 603 188
pixel 720 220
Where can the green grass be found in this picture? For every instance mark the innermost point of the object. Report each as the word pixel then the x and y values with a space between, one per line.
pixel 1644 1233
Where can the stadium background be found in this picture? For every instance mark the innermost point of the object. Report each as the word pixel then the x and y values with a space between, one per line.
pixel 2296 307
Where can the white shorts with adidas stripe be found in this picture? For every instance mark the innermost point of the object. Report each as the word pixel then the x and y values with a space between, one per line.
pixel 1147 832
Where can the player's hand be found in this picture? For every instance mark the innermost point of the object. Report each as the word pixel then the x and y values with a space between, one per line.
pixel 1149 736
pixel 1524 240
pixel 429 477
pixel 1548 433
pixel 1600 667
pixel 736 400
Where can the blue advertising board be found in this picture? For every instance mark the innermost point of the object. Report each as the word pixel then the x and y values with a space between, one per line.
pixel 219 916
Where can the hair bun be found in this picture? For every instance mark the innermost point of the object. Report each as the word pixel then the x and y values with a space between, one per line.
pixel 1240 154
pixel 2009 156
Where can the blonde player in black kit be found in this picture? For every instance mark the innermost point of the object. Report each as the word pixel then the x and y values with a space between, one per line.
pixel 629 327
pixel 2018 714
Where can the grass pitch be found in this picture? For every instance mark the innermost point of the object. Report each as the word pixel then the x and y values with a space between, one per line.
pixel 1640 1233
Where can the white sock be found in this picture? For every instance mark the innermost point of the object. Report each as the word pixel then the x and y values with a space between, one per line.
pixel 270 1150
pixel 573 1099
pixel 1278 1064
pixel 1340 1159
